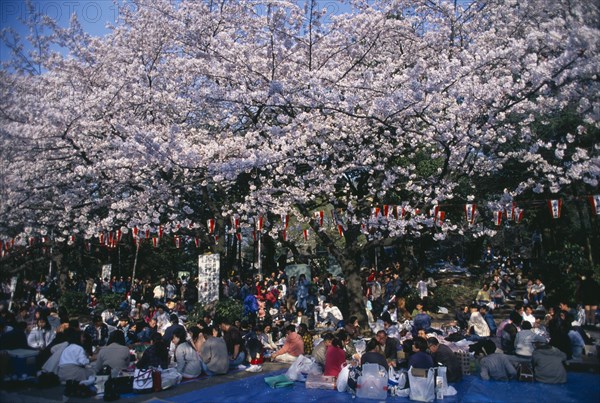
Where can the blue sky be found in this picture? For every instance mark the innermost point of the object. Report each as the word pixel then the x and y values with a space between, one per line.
pixel 92 14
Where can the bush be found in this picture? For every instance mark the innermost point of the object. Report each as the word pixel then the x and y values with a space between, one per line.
pixel 110 301
pixel 562 271
pixel 74 302
pixel 196 314
pixel 451 296
pixel 229 309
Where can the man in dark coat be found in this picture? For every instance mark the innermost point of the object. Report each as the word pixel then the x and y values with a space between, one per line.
pixel 444 355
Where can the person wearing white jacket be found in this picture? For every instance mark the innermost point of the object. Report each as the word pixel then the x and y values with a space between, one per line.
pixel 330 313
pixel 41 335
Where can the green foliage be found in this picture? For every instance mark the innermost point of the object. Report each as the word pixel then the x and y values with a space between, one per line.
pixel 451 296
pixel 229 309
pixel 197 313
pixel 74 302
pixel 561 272
pixel 110 300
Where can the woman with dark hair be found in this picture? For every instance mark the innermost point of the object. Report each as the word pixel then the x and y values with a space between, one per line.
pixel 420 358
pixel 157 355
pixel 115 354
pixel 197 338
pixel 186 356
pixel 73 360
pixel 373 355
pixel 41 335
pixel 334 357
pixel 352 328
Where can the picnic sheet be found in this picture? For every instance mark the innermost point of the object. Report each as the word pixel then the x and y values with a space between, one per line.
pixel 581 387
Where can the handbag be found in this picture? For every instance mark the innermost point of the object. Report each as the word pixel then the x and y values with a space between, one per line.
pixel 142 380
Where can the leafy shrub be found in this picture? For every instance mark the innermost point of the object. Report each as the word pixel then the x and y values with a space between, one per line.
pixel 229 309
pixel 74 302
pixel 197 313
pixel 110 301
pixel 562 270
pixel 451 296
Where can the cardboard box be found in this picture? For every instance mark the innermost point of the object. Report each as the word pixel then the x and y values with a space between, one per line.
pixel 419 372
pixel 320 382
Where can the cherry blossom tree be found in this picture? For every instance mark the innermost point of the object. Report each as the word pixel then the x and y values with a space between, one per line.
pixel 191 110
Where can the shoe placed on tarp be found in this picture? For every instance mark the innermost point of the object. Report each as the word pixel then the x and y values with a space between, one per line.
pixel 254 368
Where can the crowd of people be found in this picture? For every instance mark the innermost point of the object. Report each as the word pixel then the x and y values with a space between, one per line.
pixel 287 317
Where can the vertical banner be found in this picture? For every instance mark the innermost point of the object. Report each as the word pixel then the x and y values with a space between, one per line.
pixel 106 271
pixel 555 207
pixel 210 223
pixel 470 212
pixel 518 215
pixel 439 217
pixel 510 212
pixel 498 218
pixel 208 278
pixel 319 217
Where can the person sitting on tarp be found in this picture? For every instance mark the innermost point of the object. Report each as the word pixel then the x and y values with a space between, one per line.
pixel 334 357
pixel 420 358
pixel 462 317
pixel 292 348
pixel 73 362
pixel 524 340
pixel 115 354
pixel 235 343
pixel 170 331
pixel 213 354
pixel 548 363
pixel 157 355
pixel 444 356
pixel 373 354
pixel 484 310
pixel 97 331
pixel 186 357
pixel 320 350
pixel 493 365
pixel 478 327
pixel 389 347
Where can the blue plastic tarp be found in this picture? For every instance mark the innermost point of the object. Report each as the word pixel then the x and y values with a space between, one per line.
pixel 581 387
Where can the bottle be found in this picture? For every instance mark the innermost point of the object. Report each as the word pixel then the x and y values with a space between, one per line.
pixel 156 380
pixel 439 388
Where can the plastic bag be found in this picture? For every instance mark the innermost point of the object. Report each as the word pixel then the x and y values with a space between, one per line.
pixel 422 389
pixel 342 379
pixel 442 371
pixel 170 377
pixel 301 367
pixel 396 378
